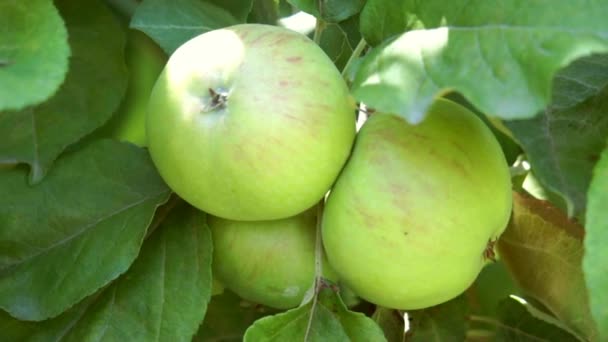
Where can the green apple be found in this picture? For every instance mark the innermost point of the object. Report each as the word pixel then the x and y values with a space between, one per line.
pixel 251 122
pixel 267 262
pixel 145 61
pixel 217 288
pixel 413 217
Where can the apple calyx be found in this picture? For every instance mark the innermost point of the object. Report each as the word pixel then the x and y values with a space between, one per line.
pixel 219 99
pixel 489 254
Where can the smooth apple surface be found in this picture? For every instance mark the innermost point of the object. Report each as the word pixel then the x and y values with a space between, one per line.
pixel 145 60
pixel 267 262
pixel 251 122
pixel 410 220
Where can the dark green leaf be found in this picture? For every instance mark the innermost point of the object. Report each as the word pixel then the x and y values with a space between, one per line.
pixel 264 12
pixel 543 250
pixel 596 240
pixel 337 39
pixel 239 9
pixel 228 317
pixel 332 11
pixel 584 78
pixel 163 296
pixel 34 53
pixel 49 330
pixel 93 88
pixel 491 287
pixel 286 9
pixel 80 228
pixel 325 318
pixel 391 322
pixel 564 145
pixel 502 56
pixel 172 23
pixel 381 19
pixel 444 322
pixel 520 322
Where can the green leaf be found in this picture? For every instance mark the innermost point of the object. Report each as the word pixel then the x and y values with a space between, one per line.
pixel 444 322
pixel 163 296
pixel 173 23
pixel 596 239
pixel 264 12
pixel 391 322
pixel 325 318
pixel 93 88
pixel 34 52
pixel 381 19
pixel 239 9
pixel 543 250
pixel 491 287
pixel 337 39
pixel 502 56
pixel 332 11
pixel 80 228
pixel 521 322
pixel 582 79
pixel 49 330
pixel 563 146
pixel 228 317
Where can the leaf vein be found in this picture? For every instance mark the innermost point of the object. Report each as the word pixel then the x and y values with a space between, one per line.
pixel 84 229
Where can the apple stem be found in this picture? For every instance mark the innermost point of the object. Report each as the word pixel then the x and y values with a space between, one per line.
pixel 218 100
pixel 319 242
pixel 318 281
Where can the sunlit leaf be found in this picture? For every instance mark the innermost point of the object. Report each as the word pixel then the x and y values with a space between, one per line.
pixel 34 52
pixel 502 56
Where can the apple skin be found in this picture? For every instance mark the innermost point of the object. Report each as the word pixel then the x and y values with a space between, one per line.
pixel 145 61
pixel 251 122
pixel 267 262
pixel 407 224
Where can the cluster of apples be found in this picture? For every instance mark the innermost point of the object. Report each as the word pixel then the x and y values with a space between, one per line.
pixel 254 125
